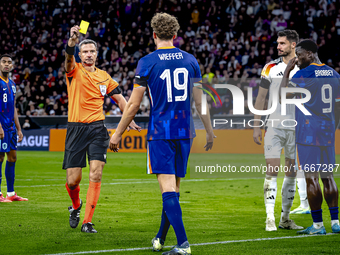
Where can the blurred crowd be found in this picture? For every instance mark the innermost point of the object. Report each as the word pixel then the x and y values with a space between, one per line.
pixel 232 41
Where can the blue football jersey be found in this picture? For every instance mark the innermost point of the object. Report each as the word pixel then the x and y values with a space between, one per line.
pixel 317 129
pixel 7 94
pixel 169 74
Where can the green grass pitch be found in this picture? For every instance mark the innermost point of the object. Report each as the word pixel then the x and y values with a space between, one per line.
pixel 129 209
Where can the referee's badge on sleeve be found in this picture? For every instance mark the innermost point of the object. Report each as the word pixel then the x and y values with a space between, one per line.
pixel 102 89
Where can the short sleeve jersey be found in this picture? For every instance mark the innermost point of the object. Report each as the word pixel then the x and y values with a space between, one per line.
pixel 317 129
pixel 271 77
pixel 86 91
pixel 7 94
pixel 169 74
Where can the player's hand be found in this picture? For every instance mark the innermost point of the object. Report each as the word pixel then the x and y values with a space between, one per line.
pixel 74 34
pixel 291 64
pixel 114 141
pixel 210 141
pixel 257 136
pixel 134 126
pixel 21 136
pixel 2 133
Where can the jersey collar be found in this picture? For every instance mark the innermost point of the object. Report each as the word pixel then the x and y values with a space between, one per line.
pixel 315 64
pixel 164 48
pixel 4 79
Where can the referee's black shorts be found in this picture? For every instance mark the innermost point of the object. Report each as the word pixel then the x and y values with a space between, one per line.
pixel 81 138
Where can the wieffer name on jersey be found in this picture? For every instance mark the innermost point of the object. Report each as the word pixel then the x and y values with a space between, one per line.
pixel 170 56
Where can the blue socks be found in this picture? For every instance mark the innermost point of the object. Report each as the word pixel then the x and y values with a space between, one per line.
pixel 334 213
pixel 173 211
pixel 317 215
pixel 10 175
pixel 165 224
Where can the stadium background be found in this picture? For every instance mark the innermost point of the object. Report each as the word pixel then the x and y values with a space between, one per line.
pixel 232 41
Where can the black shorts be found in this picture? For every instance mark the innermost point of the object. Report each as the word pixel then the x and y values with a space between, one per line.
pixel 82 138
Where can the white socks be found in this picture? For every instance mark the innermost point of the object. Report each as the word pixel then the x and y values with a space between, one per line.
pixel 11 193
pixel 317 225
pixel 288 192
pixel 302 188
pixel 270 189
pixel 334 222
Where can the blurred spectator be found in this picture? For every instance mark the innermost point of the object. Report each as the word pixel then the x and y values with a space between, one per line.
pixel 115 110
pixel 231 40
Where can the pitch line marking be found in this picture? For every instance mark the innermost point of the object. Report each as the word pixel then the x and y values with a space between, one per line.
pixel 196 244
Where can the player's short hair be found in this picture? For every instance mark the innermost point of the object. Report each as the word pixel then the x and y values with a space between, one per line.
pixel 87 41
pixel 308 45
pixel 291 35
pixel 164 25
pixel 5 56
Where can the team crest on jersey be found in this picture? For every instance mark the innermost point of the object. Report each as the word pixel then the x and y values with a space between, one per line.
pixel 14 89
pixel 102 89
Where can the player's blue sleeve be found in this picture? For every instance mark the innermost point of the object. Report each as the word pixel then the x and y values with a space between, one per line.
pixel 142 74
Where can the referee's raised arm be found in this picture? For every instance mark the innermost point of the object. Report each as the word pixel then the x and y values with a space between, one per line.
pixel 69 53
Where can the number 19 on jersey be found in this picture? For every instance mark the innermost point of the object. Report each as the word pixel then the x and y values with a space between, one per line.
pixel 166 75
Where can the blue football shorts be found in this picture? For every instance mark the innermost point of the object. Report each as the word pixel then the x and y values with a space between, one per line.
pixel 168 156
pixel 316 158
pixel 9 142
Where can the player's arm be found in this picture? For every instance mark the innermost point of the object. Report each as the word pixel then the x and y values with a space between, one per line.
pixel 17 125
pixel 285 80
pixel 129 113
pixel 337 113
pixel 197 95
pixel 121 102
pixel 259 105
pixel 70 61
pixel 2 133
pixel 116 94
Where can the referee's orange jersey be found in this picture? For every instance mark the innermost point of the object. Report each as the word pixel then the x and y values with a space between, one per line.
pixel 86 91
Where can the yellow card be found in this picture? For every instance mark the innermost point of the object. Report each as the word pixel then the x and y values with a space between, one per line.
pixel 84 25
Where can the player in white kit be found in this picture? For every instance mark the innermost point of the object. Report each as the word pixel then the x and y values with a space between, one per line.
pixel 280 133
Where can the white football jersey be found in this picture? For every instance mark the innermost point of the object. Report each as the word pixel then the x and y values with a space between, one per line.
pixel 273 74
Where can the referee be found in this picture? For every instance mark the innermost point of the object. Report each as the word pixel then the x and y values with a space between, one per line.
pixel 86 133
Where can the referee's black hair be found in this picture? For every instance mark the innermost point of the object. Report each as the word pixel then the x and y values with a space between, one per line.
pixel 308 45
pixel 5 55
